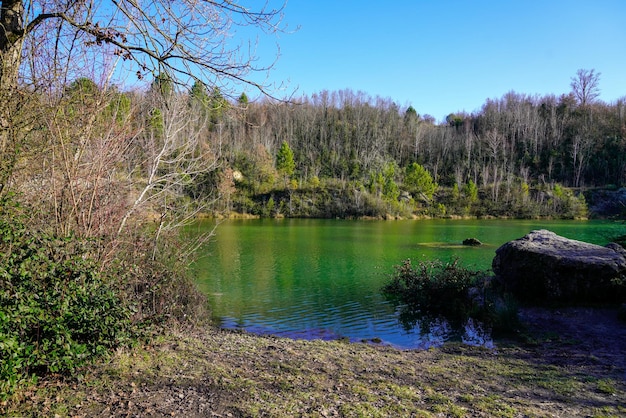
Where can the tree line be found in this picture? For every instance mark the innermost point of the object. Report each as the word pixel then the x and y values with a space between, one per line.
pixel 518 150
pixel 181 151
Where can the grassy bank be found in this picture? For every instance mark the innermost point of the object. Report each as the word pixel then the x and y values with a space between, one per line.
pixel 221 373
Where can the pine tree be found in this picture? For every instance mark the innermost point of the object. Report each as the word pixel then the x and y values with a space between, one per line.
pixel 285 163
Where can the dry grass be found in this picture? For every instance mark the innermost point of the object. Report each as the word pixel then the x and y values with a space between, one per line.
pixel 222 373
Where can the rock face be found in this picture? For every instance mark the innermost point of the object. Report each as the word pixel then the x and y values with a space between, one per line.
pixel 543 267
pixel 607 203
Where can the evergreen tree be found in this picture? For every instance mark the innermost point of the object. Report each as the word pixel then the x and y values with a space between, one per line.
pixel 163 84
pixel 218 105
pixel 243 100
pixel 419 180
pixel 471 190
pixel 285 163
pixel 199 94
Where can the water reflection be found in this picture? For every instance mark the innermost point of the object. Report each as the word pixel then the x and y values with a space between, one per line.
pixel 477 335
pixel 423 332
pixel 434 331
pixel 321 279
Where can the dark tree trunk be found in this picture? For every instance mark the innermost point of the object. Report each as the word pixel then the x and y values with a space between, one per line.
pixel 11 42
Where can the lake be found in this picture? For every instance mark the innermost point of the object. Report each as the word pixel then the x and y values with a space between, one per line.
pixel 311 278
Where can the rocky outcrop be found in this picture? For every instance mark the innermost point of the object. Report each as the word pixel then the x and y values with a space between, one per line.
pixel 543 267
pixel 472 242
pixel 608 203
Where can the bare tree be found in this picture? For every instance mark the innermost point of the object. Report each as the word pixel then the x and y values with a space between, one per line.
pixel 585 86
pixel 46 43
pixel 582 145
pixel 69 172
pixel 188 38
pixel 175 153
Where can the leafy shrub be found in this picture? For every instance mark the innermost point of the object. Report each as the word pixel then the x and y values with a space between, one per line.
pixel 455 292
pixel 56 310
pixel 434 286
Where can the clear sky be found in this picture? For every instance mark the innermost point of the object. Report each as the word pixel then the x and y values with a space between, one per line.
pixel 443 56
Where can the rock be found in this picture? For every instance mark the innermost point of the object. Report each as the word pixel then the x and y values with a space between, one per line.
pixel 543 267
pixel 608 203
pixel 472 242
pixel 617 248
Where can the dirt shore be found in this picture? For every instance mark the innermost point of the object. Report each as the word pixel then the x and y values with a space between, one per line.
pixel 567 363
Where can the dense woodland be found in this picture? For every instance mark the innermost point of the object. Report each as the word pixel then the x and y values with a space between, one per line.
pixel 355 155
pixel 106 157
pixel 346 154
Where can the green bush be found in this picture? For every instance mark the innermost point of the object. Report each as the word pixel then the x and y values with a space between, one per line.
pixel 434 286
pixel 56 310
pixel 437 288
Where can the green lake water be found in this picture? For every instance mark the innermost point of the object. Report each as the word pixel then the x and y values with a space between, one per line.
pixel 305 278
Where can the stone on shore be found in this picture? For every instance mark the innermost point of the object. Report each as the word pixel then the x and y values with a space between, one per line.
pixel 543 267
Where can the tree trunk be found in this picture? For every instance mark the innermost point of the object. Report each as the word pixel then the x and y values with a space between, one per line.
pixel 11 42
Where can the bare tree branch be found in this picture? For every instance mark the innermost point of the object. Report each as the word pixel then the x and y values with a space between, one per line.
pixel 585 86
pixel 190 39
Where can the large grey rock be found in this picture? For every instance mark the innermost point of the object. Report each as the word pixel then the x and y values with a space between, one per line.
pixel 543 267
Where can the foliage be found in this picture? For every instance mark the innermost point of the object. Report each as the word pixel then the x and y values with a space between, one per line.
pixel 435 286
pixel 456 170
pixel 82 90
pixel 448 289
pixel 119 107
pixel 564 201
pixel 163 84
pixel 471 190
pixel 419 180
pixel 199 95
pixel 218 105
pixel 285 163
pixel 156 124
pixel 57 310
pixel 505 159
pixel 382 182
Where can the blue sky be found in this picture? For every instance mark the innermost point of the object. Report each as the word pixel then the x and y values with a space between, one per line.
pixel 449 55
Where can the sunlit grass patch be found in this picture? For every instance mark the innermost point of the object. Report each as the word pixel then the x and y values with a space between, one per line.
pixel 495 406
pixel 607 386
pixel 609 412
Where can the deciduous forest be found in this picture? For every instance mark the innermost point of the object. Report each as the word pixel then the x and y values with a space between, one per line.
pixel 349 154
pixel 177 152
